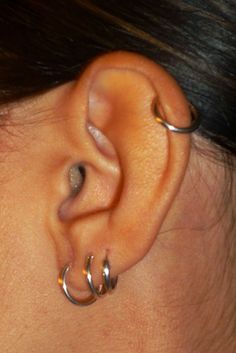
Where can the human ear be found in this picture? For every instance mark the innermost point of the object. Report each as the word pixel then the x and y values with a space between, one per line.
pixel 134 166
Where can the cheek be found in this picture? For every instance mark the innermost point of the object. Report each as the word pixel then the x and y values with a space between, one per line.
pixel 31 299
pixel 27 260
pixel 25 248
pixel 28 267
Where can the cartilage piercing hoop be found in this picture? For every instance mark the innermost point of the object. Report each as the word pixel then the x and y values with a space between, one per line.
pixel 196 121
pixel 108 285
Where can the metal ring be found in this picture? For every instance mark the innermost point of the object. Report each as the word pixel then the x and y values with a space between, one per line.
pixel 196 121
pixel 108 283
pixel 97 292
pixel 62 282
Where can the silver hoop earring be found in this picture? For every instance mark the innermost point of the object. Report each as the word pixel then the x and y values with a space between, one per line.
pixel 196 121
pixel 109 283
pixel 107 286
pixel 80 302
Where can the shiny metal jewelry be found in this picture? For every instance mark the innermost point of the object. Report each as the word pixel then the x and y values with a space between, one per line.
pixel 107 286
pixel 196 121
pixel 62 282
pixel 108 283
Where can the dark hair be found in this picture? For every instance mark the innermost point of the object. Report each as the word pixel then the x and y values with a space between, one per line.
pixel 45 43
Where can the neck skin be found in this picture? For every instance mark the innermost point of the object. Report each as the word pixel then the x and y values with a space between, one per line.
pixel 181 297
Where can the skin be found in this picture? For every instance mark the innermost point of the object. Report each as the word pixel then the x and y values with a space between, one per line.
pixel 150 199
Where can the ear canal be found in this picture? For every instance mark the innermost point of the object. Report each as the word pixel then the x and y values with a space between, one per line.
pixel 77 175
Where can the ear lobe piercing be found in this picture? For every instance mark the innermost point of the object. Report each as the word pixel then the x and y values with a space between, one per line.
pixel 196 120
pixel 62 282
pixel 109 284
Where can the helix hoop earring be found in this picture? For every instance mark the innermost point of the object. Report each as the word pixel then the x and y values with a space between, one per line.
pixel 196 121
pixel 109 284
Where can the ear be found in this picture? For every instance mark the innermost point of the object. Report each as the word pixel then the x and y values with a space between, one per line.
pixel 134 166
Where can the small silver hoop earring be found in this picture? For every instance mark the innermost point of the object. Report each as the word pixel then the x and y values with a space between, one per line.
pixel 196 121
pixel 97 292
pixel 108 283
pixel 62 282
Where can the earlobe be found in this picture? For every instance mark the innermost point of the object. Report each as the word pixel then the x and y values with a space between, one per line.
pixel 137 165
